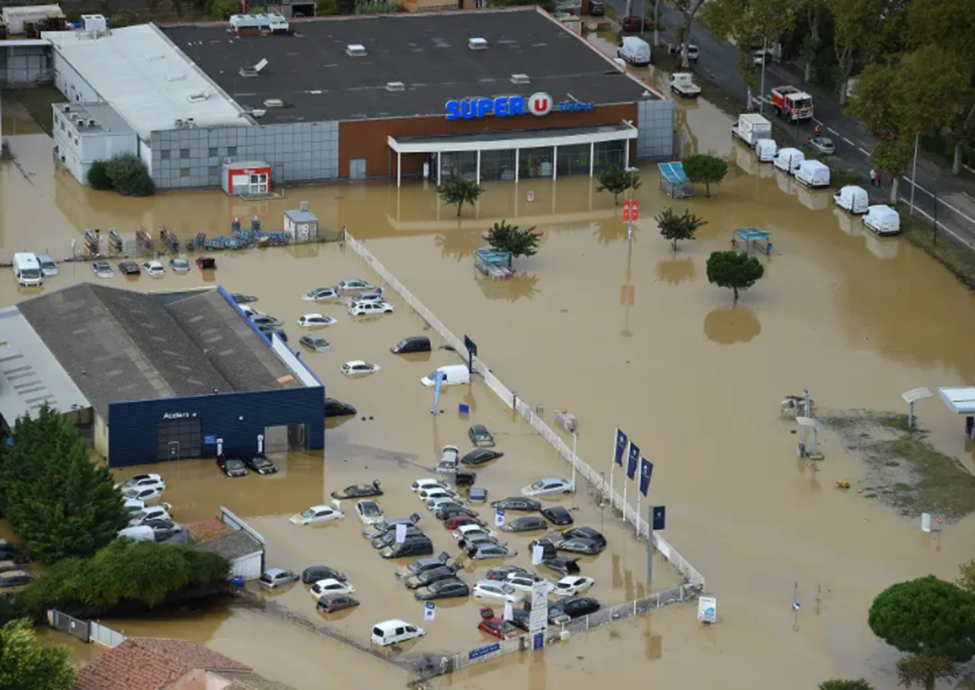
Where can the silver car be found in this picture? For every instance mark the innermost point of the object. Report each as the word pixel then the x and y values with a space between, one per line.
pixel 316 343
pixel 823 145
pixel 103 269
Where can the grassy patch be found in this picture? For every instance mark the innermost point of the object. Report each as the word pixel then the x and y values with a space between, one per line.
pixel 904 470
pixel 38 101
pixel 955 256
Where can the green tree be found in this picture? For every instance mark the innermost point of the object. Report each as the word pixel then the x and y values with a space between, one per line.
pixel 27 663
pixel 859 684
pixel 459 192
pixel 615 180
pixel 57 500
pixel 129 175
pixel 967 579
pixel 814 14
pixel 688 10
pixel 732 269
pixel 854 33
pixel 924 670
pixel 926 616
pixel 127 574
pixel 675 227
pixel 703 167
pixel 98 176
pixel 547 5
pixel 222 9
pixel 511 238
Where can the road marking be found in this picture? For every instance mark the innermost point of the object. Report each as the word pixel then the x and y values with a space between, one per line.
pixel 863 151
pixel 832 131
pixel 848 141
pixel 969 196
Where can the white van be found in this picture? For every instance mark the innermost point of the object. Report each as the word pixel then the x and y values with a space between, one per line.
pixel 27 269
pixel 883 220
pixel 395 631
pixel 141 533
pixel 453 375
pixel 852 199
pixel 766 149
pixel 813 174
pixel 635 50
pixel 789 160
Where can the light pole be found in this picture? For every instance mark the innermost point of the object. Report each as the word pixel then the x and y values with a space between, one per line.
pixel 917 139
pixel 761 87
pixel 629 195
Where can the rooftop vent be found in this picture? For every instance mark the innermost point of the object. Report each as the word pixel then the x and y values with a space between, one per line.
pixel 175 76
pixel 520 79
pixel 200 97
pixel 154 56
pixel 477 44
pixel 273 103
pixel 254 70
pixel 395 86
pixel 355 50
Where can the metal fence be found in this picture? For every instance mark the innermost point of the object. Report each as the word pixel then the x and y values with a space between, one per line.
pixel 597 483
pixel 99 634
pixel 86 631
pixel 942 215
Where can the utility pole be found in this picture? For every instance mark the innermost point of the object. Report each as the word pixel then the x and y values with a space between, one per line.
pixel 917 139
pixel 761 88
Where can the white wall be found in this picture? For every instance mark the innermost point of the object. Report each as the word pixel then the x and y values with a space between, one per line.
pixel 145 153
pixel 100 433
pixel 247 567
pixel 70 83
pixel 78 148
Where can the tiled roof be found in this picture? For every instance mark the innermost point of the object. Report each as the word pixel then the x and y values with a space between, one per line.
pixel 205 530
pixel 237 544
pixel 149 663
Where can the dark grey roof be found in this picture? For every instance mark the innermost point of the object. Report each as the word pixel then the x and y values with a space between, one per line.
pixel 229 343
pixel 428 53
pixel 121 345
pixel 237 544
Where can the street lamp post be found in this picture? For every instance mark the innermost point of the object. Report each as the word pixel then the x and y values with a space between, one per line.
pixel 629 195
pixel 917 139
pixel 761 87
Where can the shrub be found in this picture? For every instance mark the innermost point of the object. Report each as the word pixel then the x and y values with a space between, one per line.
pixel 98 176
pixel 129 175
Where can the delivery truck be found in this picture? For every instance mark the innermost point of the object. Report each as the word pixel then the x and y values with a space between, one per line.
pixel 751 127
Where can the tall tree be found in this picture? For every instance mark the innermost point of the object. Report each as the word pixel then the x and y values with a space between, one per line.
pixel 924 670
pixel 813 14
pixel 688 10
pixel 854 35
pixel 836 684
pixel 27 663
pixel 457 192
pixel 615 180
pixel 703 167
pixel 675 227
pixel 734 270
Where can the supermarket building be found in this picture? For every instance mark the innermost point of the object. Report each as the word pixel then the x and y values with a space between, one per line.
pixel 503 94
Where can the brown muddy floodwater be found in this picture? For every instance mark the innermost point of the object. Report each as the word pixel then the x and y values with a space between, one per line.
pixel 695 380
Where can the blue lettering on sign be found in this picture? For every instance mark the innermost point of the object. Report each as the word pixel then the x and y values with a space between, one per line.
pixel 483 651
pixel 210 440
pixel 504 106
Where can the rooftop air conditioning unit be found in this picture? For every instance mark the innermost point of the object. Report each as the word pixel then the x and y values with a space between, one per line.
pixel 395 86
pixel 94 22
pixel 520 79
pixel 255 70
pixel 175 76
pixel 355 50
pixel 273 103
pixel 258 112
pixel 477 44
pixel 92 123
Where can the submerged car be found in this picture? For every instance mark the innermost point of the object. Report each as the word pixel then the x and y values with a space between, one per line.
pixel 321 294
pixel 480 456
pixel 373 296
pixel 179 265
pixel 502 572
pixel 529 523
pixel 428 483
pixel 49 267
pixel 103 269
pixel 428 577
pixel 450 588
pixel 449 510
pixel 330 603
pixel 490 551
pixel 206 263
pixel 276 577
pixel 153 269
pixel 526 583
pixel 823 145
pixel 337 408
pixel 353 285
pixel 316 321
pixel 388 538
pixel 143 480
pixel 558 515
pixel 369 308
pixel 550 486
pixel 585 533
pixel 357 367
pixel 241 298
pixel 480 436
pixel 517 503
pixel 327 587
pixel 458 521
pixel 141 494
pixel 416 343
pixel 369 512
pixel 316 343
pixel 571 607
pixel 587 547
pixel 314 573
pixel 561 564
pixel 260 464
pixel 263 321
pixel 359 491
pixel 232 467
pixel 422 565
pixel 496 627
pixel 316 514
pixel 572 585
pixel 494 589
pixel 129 268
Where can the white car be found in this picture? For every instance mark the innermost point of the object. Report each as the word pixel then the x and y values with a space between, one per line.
pixel 153 269
pixel 470 529
pixel 429 483
pixel 368 308
pixel 49 267
pixel 149 513
pixel 316 514
pixel 179 265
pixel 394 631
pixel 143 480
pixel 550 486
pixel 525 583
pixel 324 588
pixel 321 294
pixel 354 284
pixel 145 493
pixel 499 591
pixel 572 585
pixel 250 311
pixel 369 512
pixel 434 503
pixel 133 506
pixel 435 492
pixel 357 367
pixel 103 269
pixel 316 321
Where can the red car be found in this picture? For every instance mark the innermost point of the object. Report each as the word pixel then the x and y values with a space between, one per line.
pixel 497 627
pixel 636 24
pixel 456 521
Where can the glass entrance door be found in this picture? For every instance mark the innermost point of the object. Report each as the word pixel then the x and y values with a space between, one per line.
pixel 259 183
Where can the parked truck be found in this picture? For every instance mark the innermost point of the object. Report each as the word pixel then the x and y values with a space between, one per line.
pixel 792 104
pixel 682 84
pixel 751 127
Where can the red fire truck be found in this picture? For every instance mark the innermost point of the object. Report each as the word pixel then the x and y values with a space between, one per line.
pixel 791 103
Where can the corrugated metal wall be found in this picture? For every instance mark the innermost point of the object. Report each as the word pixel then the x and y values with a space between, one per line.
pixel 247 567
pixel 237 418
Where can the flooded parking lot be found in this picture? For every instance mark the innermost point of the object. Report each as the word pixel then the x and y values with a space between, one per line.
pixel 695 380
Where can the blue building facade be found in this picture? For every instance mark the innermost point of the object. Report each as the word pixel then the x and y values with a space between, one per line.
pixel 147 431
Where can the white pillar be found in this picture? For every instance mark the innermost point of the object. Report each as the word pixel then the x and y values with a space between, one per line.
pixel 592 158
pixel 399 168
pixel 517 161
pixel 477 177
pixel 438 168
pixel 555 161
pixel 626 153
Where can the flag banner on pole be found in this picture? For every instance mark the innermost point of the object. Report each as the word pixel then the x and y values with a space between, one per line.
pixel 632 460
pixel 646 473
pixel 620 447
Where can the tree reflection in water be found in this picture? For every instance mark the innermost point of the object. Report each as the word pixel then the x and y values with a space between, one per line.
pixel 611 230
pixel 729 325
pixel 675 271
pixel 458 244
pixel 519 286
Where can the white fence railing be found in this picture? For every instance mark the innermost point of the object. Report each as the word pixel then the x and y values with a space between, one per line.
pixel 596 480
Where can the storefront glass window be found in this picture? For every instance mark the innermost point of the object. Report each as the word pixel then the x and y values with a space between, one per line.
pixel 458 165
pixel 609 153
pixel 498 166
pixel 535 163
pixel 573 160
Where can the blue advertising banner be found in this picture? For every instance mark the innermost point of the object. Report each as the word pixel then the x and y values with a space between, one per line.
pixel 632 461
pixel 646 473
pixel 436 391
pixel 620 447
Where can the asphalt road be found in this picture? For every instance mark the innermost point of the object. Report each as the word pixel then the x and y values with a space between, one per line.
pixel 717 63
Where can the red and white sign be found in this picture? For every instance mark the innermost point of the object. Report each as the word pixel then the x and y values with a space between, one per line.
pixel 247 179
pixel 540 104
pixel 631 210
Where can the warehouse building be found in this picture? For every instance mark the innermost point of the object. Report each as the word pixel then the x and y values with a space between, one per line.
pixel 499 94
pixel 155 377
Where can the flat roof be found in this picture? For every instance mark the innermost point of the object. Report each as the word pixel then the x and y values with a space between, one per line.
pixel 104 115
pixel 960 400
pixel 119 345
pixel 428 52
pixel 30 376
pixel 139 72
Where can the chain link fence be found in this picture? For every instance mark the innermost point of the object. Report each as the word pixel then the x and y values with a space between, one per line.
pixel 942 215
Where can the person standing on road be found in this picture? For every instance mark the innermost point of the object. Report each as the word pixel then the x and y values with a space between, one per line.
pixel 880 179
pixel 873 177
pixel 817 130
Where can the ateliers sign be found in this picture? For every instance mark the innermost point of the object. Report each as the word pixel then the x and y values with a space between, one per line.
pixel 539 105
pixel 178 415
